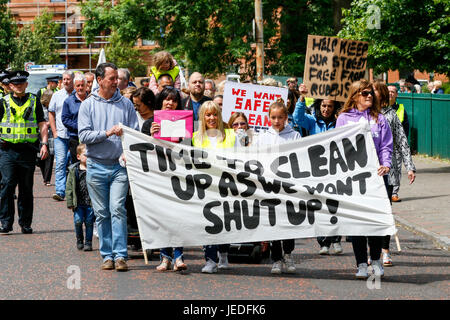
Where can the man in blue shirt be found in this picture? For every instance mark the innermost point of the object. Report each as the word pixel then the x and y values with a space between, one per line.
pixel 69 114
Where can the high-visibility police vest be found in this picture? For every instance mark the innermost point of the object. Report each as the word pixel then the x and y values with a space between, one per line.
pixel 227 142
pixel 19 123
pixel 45 88
pixel 173 72
pixel 401 112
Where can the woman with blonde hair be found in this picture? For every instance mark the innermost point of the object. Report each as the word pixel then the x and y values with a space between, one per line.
pixel 362 105
pixel 213 135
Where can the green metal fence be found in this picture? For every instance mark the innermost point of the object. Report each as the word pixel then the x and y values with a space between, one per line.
pixel 429 122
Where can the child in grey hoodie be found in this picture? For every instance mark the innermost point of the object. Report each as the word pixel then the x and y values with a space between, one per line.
pixel 280 132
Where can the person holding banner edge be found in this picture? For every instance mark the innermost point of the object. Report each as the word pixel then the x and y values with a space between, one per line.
pixel 212 134
pixel 362 106
pixel 280 132
pixel 401 153
pixel 168 99
pixel 323 119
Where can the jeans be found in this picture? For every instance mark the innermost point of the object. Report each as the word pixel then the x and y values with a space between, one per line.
pixel 167 252
pixel 84 214
pixel 108 187
pixel 61 160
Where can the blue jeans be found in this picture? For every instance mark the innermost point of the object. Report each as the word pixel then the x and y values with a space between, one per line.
pixel 84 214
pixel 167 252
pixel 108 187
pixel 61 159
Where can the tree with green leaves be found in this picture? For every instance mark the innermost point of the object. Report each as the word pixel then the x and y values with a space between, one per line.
pixel 122 54
pixel 37 43
pixel 7 35
pixel 403 34
pixel 214 37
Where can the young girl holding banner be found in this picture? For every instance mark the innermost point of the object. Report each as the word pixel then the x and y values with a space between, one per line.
pixel 362 105
pixel 212 134
pixel 280 132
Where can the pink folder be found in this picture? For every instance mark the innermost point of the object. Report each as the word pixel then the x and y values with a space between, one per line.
pixel 174 118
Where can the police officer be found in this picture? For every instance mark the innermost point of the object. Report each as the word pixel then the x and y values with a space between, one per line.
pixel 4 83
pixel 52 84
pixel 22 119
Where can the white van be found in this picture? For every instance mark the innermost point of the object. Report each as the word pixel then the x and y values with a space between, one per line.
pixel 39 73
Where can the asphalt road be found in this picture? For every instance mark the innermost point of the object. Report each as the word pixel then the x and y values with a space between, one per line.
pixel 46 266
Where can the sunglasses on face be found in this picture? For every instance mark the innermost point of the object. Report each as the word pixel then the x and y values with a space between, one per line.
pixel 239 124
pixel 366 93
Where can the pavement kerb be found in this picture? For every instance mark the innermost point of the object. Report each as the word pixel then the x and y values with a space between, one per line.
pixel 440 241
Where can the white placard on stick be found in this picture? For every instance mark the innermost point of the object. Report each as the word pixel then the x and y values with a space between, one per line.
pixel 252 100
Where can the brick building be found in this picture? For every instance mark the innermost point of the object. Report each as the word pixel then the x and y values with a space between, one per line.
pixel 74 51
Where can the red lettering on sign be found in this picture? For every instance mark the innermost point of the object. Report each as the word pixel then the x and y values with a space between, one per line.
pixel 251 119
pixel 238 103
pixel 266 106
pixel 257 104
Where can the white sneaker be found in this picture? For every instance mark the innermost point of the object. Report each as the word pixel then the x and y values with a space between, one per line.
pixel 210 267
pixel 378 269
pixel 337 249
pixel 276 268
pixel 387 260
pixel 223 261
pixel 324 251
pixel 289 262
pixel 362 271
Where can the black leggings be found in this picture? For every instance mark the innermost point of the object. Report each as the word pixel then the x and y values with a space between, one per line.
pixel 277 251
pixel 375 243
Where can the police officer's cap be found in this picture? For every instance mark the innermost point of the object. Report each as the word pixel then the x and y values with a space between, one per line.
pixel 4 77
pixel 18 76
pixel 52 79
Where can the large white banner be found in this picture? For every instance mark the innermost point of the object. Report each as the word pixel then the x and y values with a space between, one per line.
pixel 252 100
pixel 322 185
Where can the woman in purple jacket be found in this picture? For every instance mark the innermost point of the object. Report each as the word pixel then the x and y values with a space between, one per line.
pixel 362 105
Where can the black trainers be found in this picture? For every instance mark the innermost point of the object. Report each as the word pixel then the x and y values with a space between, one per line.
pixel 27 230
pixel 80 245
pixel 87 246
pixel 4 230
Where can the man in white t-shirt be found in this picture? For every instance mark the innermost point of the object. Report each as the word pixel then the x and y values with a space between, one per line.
pixel 61 137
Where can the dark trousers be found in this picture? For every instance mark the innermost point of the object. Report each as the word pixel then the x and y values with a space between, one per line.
pixel 73 144
pixel 360 248
pixel 327 241
pixel 375 243
pixel 46 167
pixel 277 250
pixel 211 251
pixel 17 168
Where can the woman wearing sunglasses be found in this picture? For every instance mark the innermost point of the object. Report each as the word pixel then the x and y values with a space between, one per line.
pixel 362 105
pixel 239 123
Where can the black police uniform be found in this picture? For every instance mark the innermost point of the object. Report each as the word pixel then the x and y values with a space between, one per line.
pixel 17 165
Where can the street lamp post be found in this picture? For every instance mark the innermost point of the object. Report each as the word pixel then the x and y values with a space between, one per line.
pixel 259 40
